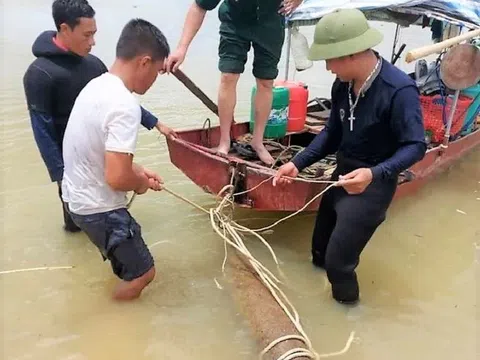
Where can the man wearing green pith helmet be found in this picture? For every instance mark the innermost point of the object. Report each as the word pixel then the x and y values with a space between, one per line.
pixel 376 130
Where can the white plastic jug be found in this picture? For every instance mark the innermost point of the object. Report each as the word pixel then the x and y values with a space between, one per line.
pixel 299 46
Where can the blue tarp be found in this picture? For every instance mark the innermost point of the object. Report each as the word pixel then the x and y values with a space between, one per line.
pixel 460 12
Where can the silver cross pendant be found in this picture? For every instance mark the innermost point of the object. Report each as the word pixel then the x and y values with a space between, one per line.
pixel 351 119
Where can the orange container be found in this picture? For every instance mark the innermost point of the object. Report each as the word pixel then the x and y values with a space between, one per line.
pixel 297 108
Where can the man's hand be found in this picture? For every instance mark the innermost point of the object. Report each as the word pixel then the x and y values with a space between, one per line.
pixel 166 131
pixel 175 59
pixel 145 184
pixel 289 169
pixel 150 179
pixel 356 181
pixel 155 181
pixel 288 6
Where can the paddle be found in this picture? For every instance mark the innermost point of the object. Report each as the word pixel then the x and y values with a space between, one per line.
pixel 190 85
pixel 180 75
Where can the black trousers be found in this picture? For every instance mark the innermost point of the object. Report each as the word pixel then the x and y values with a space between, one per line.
pixel 344 225
pixel 69 225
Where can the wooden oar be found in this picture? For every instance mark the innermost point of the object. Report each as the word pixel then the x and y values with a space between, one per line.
pixel 424 51
pixel 190 85
pixel 180 75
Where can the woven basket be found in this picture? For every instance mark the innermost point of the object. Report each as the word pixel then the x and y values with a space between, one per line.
pixel 436 114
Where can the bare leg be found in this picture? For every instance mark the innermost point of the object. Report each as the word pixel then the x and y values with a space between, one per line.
pixel 130 290
pixel 263 105
pixel 227 99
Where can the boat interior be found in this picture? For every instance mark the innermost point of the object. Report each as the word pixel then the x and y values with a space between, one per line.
pixel 436 101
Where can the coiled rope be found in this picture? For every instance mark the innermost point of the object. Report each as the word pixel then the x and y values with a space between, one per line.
pixel 231 232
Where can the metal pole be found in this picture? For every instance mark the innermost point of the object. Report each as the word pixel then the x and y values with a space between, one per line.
pixel 395 41
pixel 450 119
pixel 289 41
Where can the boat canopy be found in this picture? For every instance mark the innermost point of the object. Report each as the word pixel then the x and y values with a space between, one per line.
pixel 464 13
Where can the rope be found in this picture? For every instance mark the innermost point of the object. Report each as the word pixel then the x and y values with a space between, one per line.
pixel 309 173
pixel 36 269
pixel 223 226
pixel 231 232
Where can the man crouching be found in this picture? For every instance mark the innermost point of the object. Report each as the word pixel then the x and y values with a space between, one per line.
pixel 98 148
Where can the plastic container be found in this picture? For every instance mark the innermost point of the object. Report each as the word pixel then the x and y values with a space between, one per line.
pixel 277 121
pixel 300 48
pixel 473 110
pixel 297 110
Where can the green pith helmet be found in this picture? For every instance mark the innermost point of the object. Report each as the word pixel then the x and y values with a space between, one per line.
pixel 341 33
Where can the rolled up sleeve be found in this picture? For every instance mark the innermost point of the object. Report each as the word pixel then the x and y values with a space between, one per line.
pixel 208 4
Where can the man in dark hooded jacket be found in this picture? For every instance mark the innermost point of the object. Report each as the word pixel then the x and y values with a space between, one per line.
pixel 63 66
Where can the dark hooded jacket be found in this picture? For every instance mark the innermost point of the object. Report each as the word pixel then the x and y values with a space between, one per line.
pixel 52 82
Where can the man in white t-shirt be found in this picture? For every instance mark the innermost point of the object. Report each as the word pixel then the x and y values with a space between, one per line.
pixel 98 148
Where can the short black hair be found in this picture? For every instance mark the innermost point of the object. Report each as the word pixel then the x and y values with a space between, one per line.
pixel 140 37
pixel 70 11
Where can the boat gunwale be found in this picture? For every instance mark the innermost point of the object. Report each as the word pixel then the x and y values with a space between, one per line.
pixel 268 171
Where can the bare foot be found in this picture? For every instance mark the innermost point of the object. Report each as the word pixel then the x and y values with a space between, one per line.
pixel 263 153
pixel 223 148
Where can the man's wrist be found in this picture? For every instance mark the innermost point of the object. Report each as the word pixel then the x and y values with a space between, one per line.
pixel 182 47
pixel 137 169
pixel 377 172
pixel 298 162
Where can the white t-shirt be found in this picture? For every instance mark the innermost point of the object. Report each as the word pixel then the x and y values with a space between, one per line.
pixel 106 116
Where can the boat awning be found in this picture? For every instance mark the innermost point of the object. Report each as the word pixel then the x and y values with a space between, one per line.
pixel 404 12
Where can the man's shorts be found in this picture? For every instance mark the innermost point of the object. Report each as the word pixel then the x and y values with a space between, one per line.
pixel 236 38
pixel 118 237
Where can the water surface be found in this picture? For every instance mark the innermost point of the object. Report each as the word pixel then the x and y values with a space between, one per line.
pixel 418 275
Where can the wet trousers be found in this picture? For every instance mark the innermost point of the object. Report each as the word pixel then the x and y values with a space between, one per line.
pixel 344 225
pixel 69 225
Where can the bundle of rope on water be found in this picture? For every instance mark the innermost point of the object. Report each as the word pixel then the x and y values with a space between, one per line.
pixel 221 219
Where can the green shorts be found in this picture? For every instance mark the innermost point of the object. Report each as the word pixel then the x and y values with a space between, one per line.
pixel 266 38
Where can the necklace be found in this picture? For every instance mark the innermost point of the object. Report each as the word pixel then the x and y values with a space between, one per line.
pixel 351 118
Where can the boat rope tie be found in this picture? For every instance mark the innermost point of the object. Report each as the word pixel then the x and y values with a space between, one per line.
pixel 232 233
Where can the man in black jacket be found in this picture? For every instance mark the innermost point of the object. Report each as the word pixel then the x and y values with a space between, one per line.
pixel 376 131
pixel 63 66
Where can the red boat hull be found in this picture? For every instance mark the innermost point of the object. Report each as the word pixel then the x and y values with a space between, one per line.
pixel 191 154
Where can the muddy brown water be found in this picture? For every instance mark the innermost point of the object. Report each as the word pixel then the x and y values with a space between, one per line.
pixel 419 275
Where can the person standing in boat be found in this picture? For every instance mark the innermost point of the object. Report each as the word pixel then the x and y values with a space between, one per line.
pixel 243 24
pixel 63 66
pixel 98 150
pixel 375 128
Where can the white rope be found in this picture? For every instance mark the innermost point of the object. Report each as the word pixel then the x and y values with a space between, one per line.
pixel 36 269
pixel 230 232
pixel 268 279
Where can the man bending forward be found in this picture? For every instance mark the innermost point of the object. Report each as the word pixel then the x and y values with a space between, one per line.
pixel 98 148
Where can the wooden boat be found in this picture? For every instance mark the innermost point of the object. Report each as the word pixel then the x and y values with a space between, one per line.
pixel 192 152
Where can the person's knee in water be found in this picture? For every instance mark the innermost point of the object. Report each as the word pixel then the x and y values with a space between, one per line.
pixel 119 239
pixel 52 82
pixel 375 128
pixel 99 145
pixel 244 25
